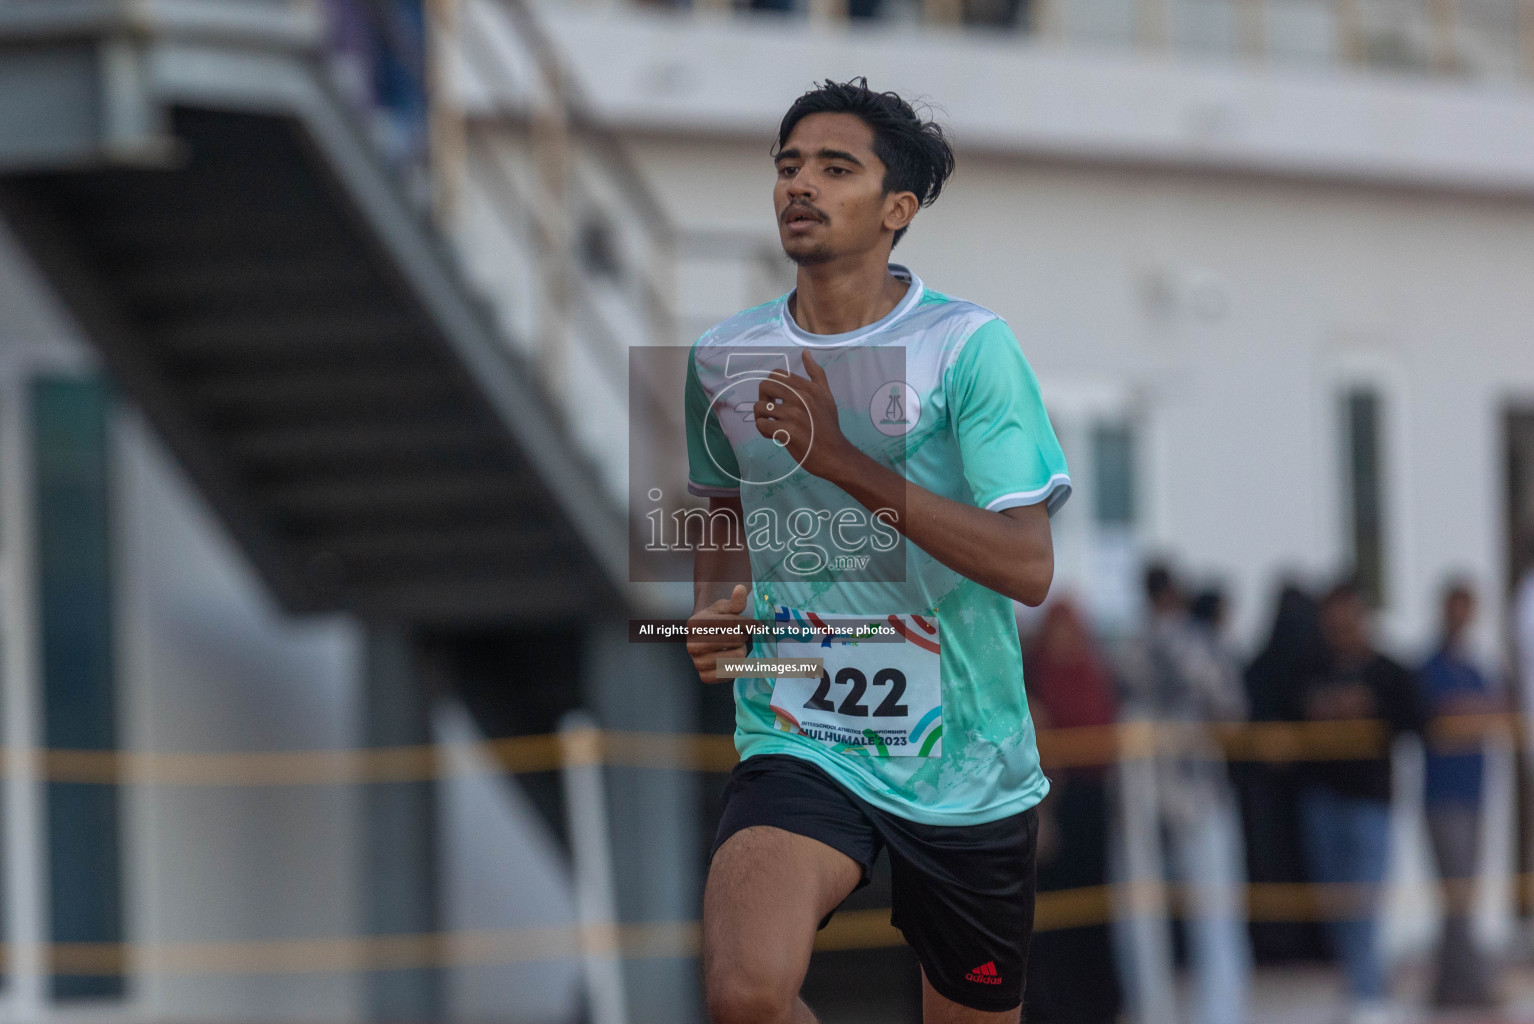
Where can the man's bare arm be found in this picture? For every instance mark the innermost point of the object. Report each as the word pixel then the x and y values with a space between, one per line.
pixel 1009 551
pixel 721 587
pixel 716 572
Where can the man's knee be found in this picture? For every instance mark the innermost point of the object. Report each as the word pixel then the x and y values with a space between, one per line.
pixel 739 999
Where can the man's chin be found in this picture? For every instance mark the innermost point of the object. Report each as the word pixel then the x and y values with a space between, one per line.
pixel 813 256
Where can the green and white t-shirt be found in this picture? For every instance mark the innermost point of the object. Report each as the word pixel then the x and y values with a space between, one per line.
pixel 938 390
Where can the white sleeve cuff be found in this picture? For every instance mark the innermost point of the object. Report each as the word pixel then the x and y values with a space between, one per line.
pixel 712 492
pixel 1053 494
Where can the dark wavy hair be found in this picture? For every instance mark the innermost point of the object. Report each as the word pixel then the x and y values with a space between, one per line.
pixel 916 153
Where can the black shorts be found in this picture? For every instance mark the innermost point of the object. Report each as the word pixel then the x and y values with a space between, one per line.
pixel 963 895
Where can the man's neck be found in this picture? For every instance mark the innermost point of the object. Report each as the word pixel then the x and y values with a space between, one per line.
pixel 834 298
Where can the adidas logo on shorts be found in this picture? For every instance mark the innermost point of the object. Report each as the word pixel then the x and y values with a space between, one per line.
pixel 985 974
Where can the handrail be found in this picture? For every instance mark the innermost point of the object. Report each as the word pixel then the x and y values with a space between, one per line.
pixel 579 163
pixel 568 112
pixel 612 354
pixel 1441 51
pixel 579 113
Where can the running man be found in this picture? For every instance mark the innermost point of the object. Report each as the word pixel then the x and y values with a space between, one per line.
pixel 905 411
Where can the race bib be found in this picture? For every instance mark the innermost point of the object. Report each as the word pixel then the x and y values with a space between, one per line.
pixel 881 699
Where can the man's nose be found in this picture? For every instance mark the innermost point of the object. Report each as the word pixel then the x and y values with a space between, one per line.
pixel 800 186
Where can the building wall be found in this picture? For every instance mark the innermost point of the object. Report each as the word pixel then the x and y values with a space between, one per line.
pixel 207 664
pixel 211 666
pixel 503 869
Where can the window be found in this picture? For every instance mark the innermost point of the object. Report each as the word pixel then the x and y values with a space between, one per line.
pixel 1098 534
pixel 1113 483
pixel 69 436
pixel 1362 416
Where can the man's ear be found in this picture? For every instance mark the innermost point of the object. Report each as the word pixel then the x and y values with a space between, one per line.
pixel 899 210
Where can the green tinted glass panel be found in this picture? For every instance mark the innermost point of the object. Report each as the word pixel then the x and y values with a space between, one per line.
pixel 74 580
pixel 1113 478
pixel 1362 411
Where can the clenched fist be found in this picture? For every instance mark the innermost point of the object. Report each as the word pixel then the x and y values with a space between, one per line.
pixel 706 651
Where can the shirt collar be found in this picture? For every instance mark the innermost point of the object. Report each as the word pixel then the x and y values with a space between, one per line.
pixel 908 302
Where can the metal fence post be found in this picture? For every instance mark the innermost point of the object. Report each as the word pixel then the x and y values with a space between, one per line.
pixel 580 746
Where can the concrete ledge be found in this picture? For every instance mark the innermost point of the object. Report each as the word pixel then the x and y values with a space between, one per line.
pixel 658 73
pixel 248 22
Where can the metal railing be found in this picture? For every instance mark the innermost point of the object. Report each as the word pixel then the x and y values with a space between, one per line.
pixel 599 261
pixel 1449 37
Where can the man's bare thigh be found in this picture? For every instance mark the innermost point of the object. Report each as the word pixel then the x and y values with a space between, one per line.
pixel 767 891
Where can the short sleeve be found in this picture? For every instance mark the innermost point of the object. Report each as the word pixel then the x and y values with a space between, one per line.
pixel 1011 456
pixel 712 471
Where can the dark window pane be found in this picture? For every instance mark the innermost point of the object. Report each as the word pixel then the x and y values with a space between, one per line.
pixel 69 435
pixel 1113 481
pixel 1362 415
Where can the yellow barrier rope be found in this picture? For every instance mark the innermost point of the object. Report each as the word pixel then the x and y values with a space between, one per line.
pixel 1266 742
pixel 848 930
pixel 1271 742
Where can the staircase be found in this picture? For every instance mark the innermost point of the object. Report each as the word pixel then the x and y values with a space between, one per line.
pixel 210 212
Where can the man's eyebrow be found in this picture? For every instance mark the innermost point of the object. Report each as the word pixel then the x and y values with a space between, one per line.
pixel 824 154
pixel 839 154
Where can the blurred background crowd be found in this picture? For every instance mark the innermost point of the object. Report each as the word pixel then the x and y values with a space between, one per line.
pixel 1211 826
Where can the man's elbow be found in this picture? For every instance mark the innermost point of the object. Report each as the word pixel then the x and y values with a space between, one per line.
pixel 1033 588
pixel 1035 554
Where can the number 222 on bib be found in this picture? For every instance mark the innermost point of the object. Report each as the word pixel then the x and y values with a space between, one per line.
pixel 883 699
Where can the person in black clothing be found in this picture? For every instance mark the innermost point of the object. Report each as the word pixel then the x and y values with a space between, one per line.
pixel 1269 791
pixel 1345 804
pixel 1071 975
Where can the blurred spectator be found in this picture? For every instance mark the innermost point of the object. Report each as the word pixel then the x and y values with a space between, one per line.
pixel 1345 804
pixel 856 9
pixel 1004 14
pixel 1207 608
pixel 1452 684
pixel 378 51
pixel 1070 970
pixel 1523 641
pixel 1523 636
pixel 1269 791
pixel 1207 613
pixel 1177 675
pixel 1296 650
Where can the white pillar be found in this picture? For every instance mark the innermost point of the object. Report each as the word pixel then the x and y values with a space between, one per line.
pixel 591 852
pixel 1142 924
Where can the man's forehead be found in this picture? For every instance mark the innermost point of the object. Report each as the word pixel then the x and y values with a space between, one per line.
pixel 833 131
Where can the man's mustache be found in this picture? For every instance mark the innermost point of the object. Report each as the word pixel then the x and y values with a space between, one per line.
pixel 801 207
